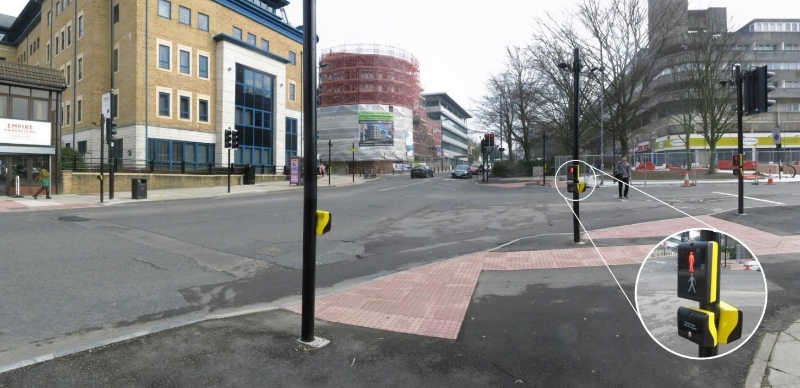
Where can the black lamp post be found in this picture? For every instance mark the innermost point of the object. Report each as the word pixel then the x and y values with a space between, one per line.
pixel 576 71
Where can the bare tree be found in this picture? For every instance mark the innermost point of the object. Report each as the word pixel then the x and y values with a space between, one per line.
pixel 707 59
pixel 497 109
pixel 630 48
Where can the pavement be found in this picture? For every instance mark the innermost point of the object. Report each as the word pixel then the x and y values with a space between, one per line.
pixel 395 327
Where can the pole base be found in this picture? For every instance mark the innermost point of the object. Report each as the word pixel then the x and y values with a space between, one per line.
pixel 317 342
pixel 19 196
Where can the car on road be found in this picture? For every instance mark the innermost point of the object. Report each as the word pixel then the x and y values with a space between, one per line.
pixel 476 168
pixel 462 172
pixel 421 171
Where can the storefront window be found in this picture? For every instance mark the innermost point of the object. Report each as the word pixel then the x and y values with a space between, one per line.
pixel 40 110
pixel 4 106
pixel 19 108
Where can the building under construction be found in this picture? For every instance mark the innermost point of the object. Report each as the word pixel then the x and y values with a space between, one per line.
pixel 368 94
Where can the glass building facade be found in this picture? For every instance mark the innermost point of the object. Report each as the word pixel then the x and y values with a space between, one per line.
pixel 254 117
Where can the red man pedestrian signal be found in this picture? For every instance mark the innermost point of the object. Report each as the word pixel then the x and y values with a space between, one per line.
pixel 491 140
pixel 737 164
pixel 698 271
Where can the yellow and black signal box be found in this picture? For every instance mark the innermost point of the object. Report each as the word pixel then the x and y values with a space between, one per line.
pixel 573 175
pixel 697 325
pixel 730 323
pixel 324 221
pixel 698 271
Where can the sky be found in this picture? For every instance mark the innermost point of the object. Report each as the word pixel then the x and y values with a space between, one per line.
pixel 458 45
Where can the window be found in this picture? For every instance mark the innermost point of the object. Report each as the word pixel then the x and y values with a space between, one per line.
pixel 3 106
pixel 292 92
pixel 82 146
pixel 116 14
pixel 184 15
pixel 69 35
pixel 292 58
pixel 163 104
pixel 115 60
pixel 80 69
pixel 202 71
pixel 69 68
pixel 185 103
pixel 202 110
pixel 792 85
pixel 163 57
pixel 202 21
pixel 251 39
pixel 114 104
pixel 80 26
pixel 68 113
pixel 56 45
pixel 48 51
pixel 165 9
pixel 788 46
pixel 237 33
pixel 49 18
pixel 58 8
pixel 40 110
pixel 291 138
pixel 184 65
pixel 79 111
pixel 793 107
pixel 264 44
pixel 62 40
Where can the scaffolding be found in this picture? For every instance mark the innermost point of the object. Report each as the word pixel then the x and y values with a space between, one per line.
pixel 369 74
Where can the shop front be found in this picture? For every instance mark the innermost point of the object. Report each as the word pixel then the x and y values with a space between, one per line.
pixel 29 110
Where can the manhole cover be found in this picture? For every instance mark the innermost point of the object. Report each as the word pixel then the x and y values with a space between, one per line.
pixel 271 251
pixel 72 218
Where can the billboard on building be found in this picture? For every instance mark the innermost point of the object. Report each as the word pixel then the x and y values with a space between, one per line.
pixel 24 132
pixel 376 128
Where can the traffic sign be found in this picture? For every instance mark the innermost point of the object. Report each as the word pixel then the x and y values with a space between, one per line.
pixel 776 136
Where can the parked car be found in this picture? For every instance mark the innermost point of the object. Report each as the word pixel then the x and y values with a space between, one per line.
pixel 421 171
pixel 462 172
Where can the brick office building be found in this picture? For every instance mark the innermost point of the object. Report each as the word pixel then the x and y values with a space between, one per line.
pixel 181 73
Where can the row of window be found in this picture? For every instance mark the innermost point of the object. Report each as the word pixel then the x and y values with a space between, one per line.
pixel 63 38
pixel 184 105
pixel 23 103
pixel 60 7
pixel 767 47
pixel 775 26
pixel 184 59
pixel 169 152
pixel 184 15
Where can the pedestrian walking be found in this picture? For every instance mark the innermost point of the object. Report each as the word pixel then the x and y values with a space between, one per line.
pixel 44 179
pixel 622 172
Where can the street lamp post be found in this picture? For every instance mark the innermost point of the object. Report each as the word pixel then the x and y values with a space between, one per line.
pixel 576 71
pixel 602 116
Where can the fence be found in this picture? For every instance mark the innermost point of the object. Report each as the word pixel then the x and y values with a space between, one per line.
pixel 80 164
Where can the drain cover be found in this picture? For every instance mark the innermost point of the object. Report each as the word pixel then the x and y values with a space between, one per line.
pixel 271 251
pixel 72 218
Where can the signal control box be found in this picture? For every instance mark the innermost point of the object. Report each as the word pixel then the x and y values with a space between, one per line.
pixel 697 326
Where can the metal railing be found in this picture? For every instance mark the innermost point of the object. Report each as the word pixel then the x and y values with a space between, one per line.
pixel 121 165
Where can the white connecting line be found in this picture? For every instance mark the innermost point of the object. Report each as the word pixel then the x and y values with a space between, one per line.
pixel 595 245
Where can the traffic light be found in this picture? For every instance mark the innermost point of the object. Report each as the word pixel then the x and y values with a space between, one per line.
pixel 486 140
pixel 227 138
pixel 111 131
pixel 698 271
pixel 572 177
pixel 758 86
pixel 235 139
pixel 737 164
pixel 491 140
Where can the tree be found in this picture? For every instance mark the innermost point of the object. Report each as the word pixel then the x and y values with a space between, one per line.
pixel 496 108
pixel 705 60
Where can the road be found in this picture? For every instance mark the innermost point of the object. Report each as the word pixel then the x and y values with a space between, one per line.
pixel 102 271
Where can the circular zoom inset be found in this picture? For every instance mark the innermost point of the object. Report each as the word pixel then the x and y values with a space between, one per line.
pixel 701 293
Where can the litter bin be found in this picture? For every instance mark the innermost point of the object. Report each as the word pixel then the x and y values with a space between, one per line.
pixel 250 175
pixel 138 188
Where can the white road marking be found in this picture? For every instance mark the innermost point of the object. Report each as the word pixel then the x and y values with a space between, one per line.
pixel 754 199
pixel 400 187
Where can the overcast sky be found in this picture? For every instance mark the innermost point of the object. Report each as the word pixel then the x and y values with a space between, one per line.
pixel 457 43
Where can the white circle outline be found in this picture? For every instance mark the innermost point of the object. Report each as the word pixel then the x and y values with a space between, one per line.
pixel 749 336
pixel 594 175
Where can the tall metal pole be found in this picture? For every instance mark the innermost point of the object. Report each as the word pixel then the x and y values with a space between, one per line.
pixel 738 76
pixel 310 187
pixel 354 162
pixel 102 148
pixel 329 161
pixel 602 117
pixel 544 157
pixel 576 71
pixel 111 154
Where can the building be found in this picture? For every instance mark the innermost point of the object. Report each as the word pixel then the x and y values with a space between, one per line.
pixel 368 97
pixel 181 73
pixel 29 136
pixel 449 121
pixel 771 42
